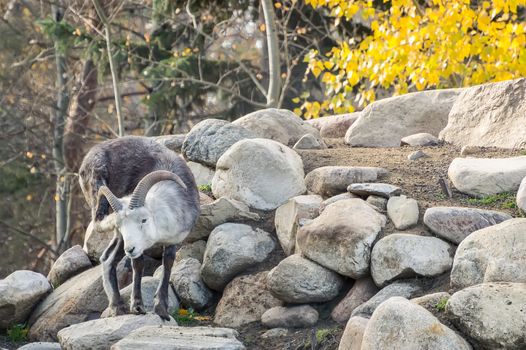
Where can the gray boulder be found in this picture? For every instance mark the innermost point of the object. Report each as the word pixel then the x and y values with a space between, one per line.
pixel 299 280
pixel 337 125
pixel 385 122
pixel 492 254
pixel 401 255
pixel 230 250
pixel 416 155
pixel 456 223
pixel 70 263
pixel 188 284
pixel 309 141
pixel 491 315
pixel 374 189
pixel 290 317
pixel 338 197
pixel 521 196
pixel 353 334
pixel 362 290
pixel 489 115
pixel 210 138
pixel 262 173
pixel 379 203
pixel 195 250
pixel 173 142
pixel 422 139
pixel 341 238
pixel 19 293
pixel 41 346
pixel 481 177
pixel 203 175
pixel 403 212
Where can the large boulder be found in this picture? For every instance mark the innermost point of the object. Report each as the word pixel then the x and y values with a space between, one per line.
pixel 332 180
pixel 288 216
pixel 280 125
pixel 481 177
pixel 493 254
pixel 521 196
pixel 218 212
pixel 194 250
pixel 101 334
pixel 401 324
pixel 41 346
pixel 261 173
pixel 299 280
pixel 245 300
pixel 353 334
pixel 210 138
pixel 230 250
pixel 337 125
pixel 188 284
pixel 489 115
pixel 401 255
pixel 203 175
pixel 72 262
pixel 385 122
pixel 180 338
pixel 19 293
pixel 362 290
pixel 172 142
pixel 341 238
pixel 456 223
pixel 290 317
pixel 492 315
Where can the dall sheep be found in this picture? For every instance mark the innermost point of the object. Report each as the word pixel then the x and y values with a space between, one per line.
pixel 155 201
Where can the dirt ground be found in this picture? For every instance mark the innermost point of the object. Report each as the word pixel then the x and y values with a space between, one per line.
pixel 418 179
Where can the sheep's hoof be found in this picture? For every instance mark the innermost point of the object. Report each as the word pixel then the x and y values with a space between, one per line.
pixel 117 310
pixel 137 307
pixel 162 312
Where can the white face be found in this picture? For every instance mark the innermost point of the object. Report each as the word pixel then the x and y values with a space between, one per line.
pixel 137 228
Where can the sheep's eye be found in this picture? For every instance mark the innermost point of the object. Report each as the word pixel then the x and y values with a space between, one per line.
pixel 143 221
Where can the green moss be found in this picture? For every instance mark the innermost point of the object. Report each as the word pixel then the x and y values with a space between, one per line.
pixel 441 305
pixel 17 333
pixel 205 188
pixel 504 200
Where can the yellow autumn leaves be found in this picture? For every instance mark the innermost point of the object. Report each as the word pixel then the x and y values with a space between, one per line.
pixel 446 43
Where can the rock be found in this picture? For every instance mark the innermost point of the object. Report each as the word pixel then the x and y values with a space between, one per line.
pixel 194 250
pixel 491 315
pixel 333 180
pixel 230 250
pixel 309 141
pixel 492 254
pixel 101 334
pixel 188 284
pixel 245 300
pixel 79 299
pixel 481 177
pixel 362 290
pixel 385 122
pixel 275 332
pixel 180 338
pixel 203 175
pixel 95 242
pixel 405 289
pixel 19 293
pixel 263 174
pixel 353 334
pixel 400 324
pixel 280 125
pixel 210 138
pixel 337 198
pixel 299 280
pixel 173 142
pixel 341 238
pixel 290 317
pixel 375 189
pixel 403 212
pixel 41 346
pixel 422 139
pixel 204 199
pixel 468 150
pixel 416 155
pixel 288 216
pixel 436 304
pixel 379 203
pixel 489 115
pixel 220 211
pixel 456 223
pixel 337 125
pixel 521 196
pixel 401 255
pixel 72 262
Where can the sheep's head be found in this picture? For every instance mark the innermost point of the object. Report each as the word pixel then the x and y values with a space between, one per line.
pixel 135 222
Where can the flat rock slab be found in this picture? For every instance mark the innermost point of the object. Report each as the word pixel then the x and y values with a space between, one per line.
pixel 375 189
pixel 101 334
pixel 180 338
pixel 481 177
pixel 492 315
pixel 456 223
pixel 422 139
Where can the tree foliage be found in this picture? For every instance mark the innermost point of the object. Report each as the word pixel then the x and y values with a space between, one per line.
pixel 417 45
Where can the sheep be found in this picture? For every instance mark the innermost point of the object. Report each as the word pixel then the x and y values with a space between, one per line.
pixel 154 199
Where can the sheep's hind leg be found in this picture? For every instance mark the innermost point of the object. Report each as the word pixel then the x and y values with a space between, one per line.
pixel 136 305
pixel 161 295
pixel 109 260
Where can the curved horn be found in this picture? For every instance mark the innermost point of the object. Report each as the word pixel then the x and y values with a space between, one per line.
pixel 139 194
pixel 114 201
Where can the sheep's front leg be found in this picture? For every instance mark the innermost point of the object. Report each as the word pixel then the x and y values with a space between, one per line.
pixel 161 295
pixel 136 304
pixel 109 260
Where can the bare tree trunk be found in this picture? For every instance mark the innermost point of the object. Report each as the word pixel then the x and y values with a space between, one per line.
pixel 59 119
pixel 273 54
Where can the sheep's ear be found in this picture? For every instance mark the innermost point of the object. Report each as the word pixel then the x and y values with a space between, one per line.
pixel 139 194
